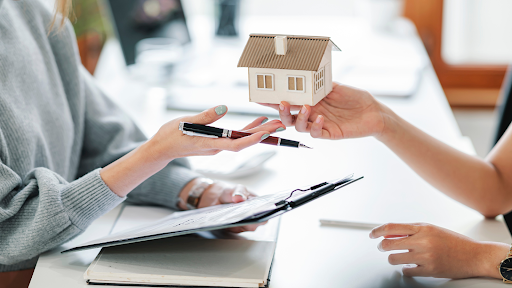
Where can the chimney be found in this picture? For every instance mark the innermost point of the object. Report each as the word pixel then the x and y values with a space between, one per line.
pixel 281 46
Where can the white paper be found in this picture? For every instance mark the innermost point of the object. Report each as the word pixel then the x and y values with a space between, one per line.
pixel 213 216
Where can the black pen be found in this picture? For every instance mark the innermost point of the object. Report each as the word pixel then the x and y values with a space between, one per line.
pixel 214 132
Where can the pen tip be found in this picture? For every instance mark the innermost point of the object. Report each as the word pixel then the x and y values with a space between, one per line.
pixel 304 146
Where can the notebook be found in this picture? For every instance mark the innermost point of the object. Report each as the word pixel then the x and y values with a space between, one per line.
pixel 208 259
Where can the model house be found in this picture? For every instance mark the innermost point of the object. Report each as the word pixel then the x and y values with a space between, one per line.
pixel 296 69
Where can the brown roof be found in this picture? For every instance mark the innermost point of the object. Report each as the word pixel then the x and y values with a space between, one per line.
pixel 303 53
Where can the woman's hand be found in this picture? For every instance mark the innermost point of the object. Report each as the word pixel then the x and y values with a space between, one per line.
pixel 170 143
pixel 347 112
pixel 220 193
pixel 438 252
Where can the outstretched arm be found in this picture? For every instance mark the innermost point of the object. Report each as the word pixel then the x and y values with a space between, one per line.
pixel 348 112
pixel 480 184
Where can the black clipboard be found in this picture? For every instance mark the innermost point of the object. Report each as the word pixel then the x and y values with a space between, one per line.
pixel 288 201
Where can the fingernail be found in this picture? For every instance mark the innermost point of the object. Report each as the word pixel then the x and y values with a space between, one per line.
pixel 221 109
pixel 264 121
pixel 380 247
pixel 318 119
pixel 280 129
pixel 371 236
pixel 303 110
pixel 237 193
pixel 281 106
pixel 265 136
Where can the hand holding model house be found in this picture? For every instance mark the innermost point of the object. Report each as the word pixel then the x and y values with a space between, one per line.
pixel 296 69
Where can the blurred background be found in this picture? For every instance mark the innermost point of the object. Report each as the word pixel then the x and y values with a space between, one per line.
pixel 468 43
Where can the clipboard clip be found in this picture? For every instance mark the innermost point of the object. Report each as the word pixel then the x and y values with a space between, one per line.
pixel 285 201
pixel 312 188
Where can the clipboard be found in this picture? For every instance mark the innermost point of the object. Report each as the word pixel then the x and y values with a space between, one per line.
pixel 254 210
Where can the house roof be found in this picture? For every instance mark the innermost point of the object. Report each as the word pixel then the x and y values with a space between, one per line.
pixel 303 53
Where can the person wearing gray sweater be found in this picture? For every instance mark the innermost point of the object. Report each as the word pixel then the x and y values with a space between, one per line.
pixel 68 154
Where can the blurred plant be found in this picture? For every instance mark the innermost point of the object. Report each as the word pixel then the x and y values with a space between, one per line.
pixel 91 31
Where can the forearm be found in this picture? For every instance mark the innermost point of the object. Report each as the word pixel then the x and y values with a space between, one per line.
pixel 469 180
pixel 128 172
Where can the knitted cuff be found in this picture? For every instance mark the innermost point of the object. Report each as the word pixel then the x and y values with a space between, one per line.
pixel 88 198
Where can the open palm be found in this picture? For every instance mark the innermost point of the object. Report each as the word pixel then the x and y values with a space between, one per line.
pixel 347 112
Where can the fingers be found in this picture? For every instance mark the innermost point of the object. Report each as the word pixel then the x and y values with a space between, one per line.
pixel 272 126
pixel 234 194
pixel 208 116
pixel 301 122
pixel 316 127
pixel 317 130
pixel 402 258
pixel 257 122
pixel 238 144
pixel 240 194
pixel 284 113
pixel 393 229
pixel 211 196
pixel 394 244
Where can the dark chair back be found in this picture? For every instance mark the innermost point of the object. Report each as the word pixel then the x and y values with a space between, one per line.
pixel 504 120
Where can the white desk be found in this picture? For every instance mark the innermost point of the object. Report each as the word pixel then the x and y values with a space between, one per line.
pixel 310 255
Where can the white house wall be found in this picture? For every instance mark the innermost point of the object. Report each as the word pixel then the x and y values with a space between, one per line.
pixel 326 64
pixel 280 92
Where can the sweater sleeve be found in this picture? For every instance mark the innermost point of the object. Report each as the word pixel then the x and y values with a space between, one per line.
pixel 110 134
pixel 43 210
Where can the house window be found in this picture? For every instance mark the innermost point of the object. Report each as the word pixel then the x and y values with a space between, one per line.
pixel 265 81
pixel 296 83
pixel 319 80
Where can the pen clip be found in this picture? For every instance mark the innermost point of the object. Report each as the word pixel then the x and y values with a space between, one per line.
pixel 189 133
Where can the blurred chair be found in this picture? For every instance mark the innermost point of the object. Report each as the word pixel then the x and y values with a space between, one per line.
pixel 504 120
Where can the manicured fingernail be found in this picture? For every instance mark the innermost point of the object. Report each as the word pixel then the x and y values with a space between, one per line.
pixel 221 109
pixel 281 106
pixel 380 247
pixel 280 129
pixel 264 121
pixel 318 119
pixel 265 136
pixel 303 110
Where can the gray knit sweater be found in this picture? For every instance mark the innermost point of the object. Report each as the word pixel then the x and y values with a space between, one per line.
pixel 56 130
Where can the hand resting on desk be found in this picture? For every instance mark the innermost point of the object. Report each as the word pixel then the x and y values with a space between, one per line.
pixel 438 252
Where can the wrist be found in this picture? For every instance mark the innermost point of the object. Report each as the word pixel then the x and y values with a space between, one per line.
pixel 184 193
pixel 391 124
pixel 489 256
pixel 129 171
pixel 154 150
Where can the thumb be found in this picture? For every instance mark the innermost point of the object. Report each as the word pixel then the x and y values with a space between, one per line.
pixel 208 116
